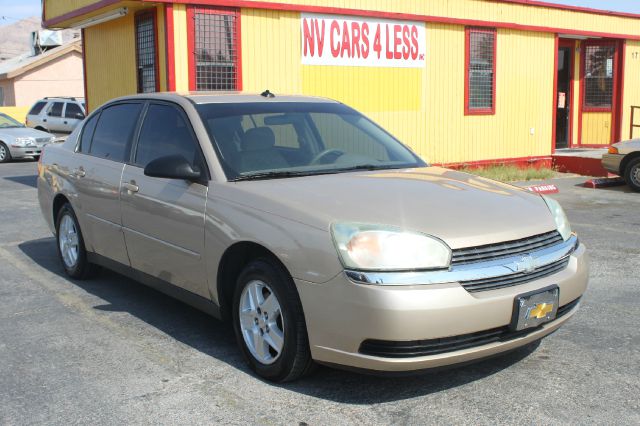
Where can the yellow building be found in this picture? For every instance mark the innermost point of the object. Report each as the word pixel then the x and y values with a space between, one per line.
pixel 460 81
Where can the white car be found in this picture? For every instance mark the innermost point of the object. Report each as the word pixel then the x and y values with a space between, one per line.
pixel 56 114
pixel 18 141
pixel 623 160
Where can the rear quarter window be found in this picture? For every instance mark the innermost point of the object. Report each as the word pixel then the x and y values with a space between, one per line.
pixel 37 108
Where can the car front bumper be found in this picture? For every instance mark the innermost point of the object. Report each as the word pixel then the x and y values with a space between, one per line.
pixel 342 314
pixel 25 151
pixel 611 163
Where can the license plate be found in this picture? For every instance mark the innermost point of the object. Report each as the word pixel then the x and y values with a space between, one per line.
pixel 535 308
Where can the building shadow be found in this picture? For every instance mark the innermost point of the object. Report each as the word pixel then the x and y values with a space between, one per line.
pixel 216 339
pixel 30 180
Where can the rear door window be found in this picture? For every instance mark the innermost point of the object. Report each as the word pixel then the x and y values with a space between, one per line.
pixel 112 136
pixel 37 108
pixel 73 111
pixel 56 109
pixel 166 131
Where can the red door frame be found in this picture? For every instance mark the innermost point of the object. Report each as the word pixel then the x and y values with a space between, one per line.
pixel 571 44
pixel 618 87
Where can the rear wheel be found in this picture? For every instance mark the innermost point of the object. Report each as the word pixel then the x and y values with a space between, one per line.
pixel 71 249
pixel 269 323
pixel 5 155
pixel 632 174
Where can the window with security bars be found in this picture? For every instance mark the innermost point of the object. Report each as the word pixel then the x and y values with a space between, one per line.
pixel 480 71
pixel 215 49
pixel 598 76
pixel 146 52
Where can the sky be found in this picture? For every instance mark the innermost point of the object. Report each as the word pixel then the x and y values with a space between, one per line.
pixel 12 10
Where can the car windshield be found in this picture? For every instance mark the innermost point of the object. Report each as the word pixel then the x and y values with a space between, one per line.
pixel 286 139
pixel 6 122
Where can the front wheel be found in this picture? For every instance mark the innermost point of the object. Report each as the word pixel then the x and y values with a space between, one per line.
pixel 269 322
pixel 71 249
pixel 5 155
pixel 632 174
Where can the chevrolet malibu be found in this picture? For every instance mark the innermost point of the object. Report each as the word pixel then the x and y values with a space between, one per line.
pixel 319 236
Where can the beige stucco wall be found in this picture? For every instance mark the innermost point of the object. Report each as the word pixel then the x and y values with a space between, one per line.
pixel 60 77
pixel 8 98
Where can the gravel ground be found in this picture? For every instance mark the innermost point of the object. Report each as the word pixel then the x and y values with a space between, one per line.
pixel 110 350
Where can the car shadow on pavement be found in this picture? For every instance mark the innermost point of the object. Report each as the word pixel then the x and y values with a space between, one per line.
pixel 29 180
pixel 216 338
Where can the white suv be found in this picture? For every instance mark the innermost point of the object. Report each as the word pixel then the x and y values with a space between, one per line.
pixel 57 114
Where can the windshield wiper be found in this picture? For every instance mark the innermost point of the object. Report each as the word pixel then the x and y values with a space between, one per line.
pixel 369 167
pixel 272 175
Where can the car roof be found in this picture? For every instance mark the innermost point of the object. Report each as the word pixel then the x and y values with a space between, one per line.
pixel 225 97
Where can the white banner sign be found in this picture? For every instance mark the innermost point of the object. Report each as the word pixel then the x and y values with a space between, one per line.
pixel 362 42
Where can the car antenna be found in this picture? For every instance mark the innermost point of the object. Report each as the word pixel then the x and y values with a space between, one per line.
pixel 267 94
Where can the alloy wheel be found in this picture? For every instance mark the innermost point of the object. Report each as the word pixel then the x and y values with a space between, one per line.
pixel 3 152
pixel 68 241
pixel 261 322
pixel 635 175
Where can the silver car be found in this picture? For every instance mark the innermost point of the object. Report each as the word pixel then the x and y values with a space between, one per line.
pixel 18 141
pixel 58 114
pixel 623 160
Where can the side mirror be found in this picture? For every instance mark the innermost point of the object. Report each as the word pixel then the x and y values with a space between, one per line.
pixel 172 167
pixel 79 116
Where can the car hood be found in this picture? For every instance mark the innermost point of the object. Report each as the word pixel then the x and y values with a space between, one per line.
pixel 24 132
pixel 461 209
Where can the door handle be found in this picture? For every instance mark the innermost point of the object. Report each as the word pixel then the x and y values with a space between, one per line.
pixel 44 119
pixel 131 187
pixel 65 122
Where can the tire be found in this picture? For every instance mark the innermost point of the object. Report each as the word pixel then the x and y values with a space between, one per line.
pixel 280 322
pixel 70 244
pixel 5 155
pixel 632 174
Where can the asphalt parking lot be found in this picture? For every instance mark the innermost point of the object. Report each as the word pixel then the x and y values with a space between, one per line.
pixel 110 350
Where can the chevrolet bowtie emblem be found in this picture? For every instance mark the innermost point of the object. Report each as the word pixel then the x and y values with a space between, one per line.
pixel 541 310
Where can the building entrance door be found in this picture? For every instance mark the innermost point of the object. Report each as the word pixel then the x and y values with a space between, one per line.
pixel 564 95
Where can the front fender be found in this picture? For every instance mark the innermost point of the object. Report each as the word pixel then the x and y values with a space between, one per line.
pixel 307 252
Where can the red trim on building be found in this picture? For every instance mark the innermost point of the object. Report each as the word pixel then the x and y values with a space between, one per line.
pixel 84 72
pixel 467 57
pixel 170 48
pixel 554 111
pixel 238 50
pixel 393 15
pixel 154 18
pixel 619 106
pixel 191 48
pixel 548 5
pixel 78 12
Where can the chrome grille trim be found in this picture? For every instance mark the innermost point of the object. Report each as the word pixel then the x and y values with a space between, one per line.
pixel 505 249
pixel 515 279
pixel 495 269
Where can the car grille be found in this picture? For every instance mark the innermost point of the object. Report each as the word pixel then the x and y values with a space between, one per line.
pixel 517 278
pixel 416 348
pixel 42 140
pixel 506 249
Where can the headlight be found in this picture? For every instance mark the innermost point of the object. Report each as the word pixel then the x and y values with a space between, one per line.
pixel 52 139
pixel 559 216
pixel 24 141
pixel 377 247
